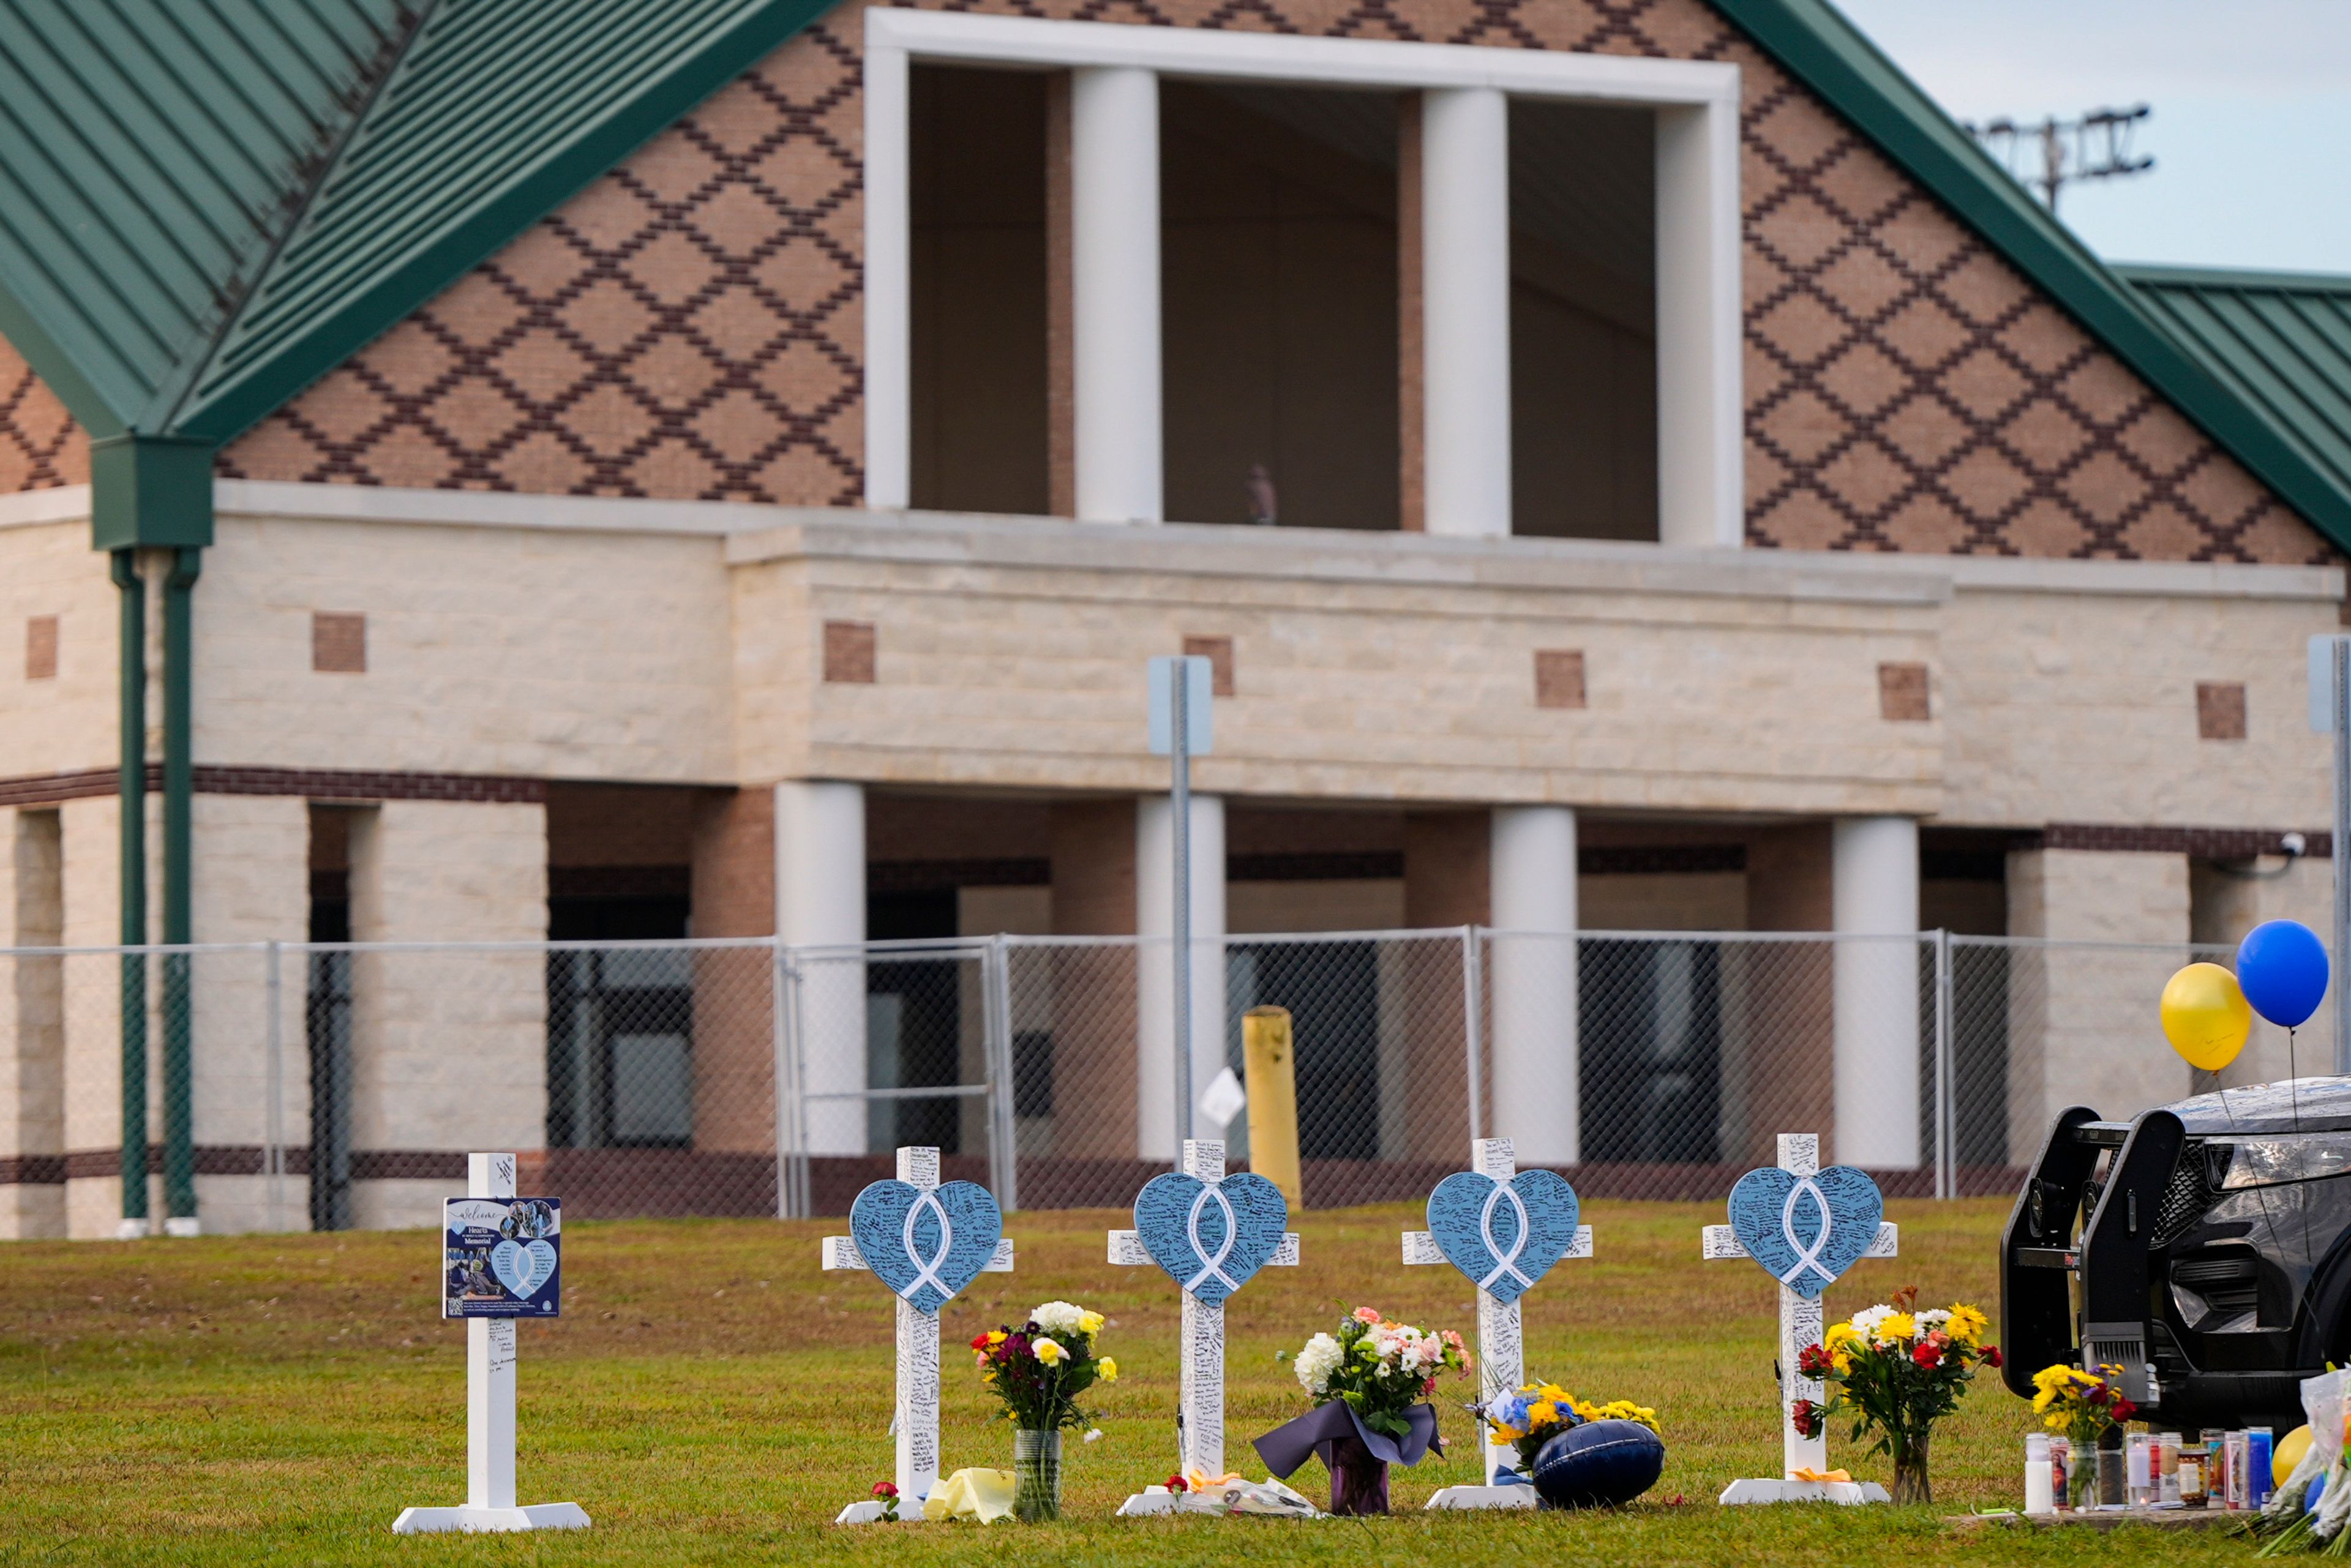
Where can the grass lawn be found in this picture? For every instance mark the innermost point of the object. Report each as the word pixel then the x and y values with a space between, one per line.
pixel 711 1397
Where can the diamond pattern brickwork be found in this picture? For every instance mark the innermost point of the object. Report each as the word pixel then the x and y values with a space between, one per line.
pixel 690 326
pixel 41 447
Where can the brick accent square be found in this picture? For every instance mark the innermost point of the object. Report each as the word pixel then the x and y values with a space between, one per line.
pixel 1902 693
pixel 338 643
pixel 1559 677
pixel 2219 710
pixel 1218 651
pixel 40 647
pixel 848 653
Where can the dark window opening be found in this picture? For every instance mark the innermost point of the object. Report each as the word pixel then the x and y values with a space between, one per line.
pixel 1332 992
pixel 913 1022
pixel 620 1027
pixel 1279 305
pixel 326 1033
pixel 1651 1060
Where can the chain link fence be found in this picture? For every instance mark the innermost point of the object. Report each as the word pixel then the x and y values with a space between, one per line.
pixel 327 1086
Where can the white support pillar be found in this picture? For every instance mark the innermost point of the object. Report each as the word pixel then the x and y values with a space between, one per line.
pixel 1156 1136
pixel 821 904
pixel 1874 893
pixel 1700 441
pixel 1536 1097
pixel 1466 308
pixel 1114 292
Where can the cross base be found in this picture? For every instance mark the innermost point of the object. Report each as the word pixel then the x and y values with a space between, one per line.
pixel 1844 1492
pixel 1483 1497
pixel 870 1512
pixel 498 1520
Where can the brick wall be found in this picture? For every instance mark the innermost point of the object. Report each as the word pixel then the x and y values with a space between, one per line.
pixel 691 326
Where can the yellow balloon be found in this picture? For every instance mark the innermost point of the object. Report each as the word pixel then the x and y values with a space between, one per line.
pixel 2288 1452
pixel 2206 1016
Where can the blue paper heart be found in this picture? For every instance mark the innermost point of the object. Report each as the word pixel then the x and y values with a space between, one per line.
pixel 1502 1246
pixel 523 1267
pixel 1210 1237
pixel 926 1246
pixel 1806 1230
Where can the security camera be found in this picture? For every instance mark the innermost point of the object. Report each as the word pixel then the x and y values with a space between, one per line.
pixel 2293 845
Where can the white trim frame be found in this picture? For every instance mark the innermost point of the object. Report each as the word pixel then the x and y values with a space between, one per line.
pixel 1701 443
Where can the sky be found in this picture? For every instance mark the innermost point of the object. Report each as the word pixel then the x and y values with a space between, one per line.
pixel 2251 128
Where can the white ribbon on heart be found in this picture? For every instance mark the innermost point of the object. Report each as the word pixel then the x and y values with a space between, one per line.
pixel 1806 1257
pixel 1199 1249
pixel 1509 1261
pixel 928 1273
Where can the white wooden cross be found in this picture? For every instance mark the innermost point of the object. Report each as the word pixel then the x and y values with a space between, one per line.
pixel 1501 1352
pixel 489 1412
pixel 1200 1400
pixel 914 1419
pixel 1800 1326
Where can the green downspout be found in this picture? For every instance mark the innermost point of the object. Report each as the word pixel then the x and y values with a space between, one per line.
pixel 179 790
pixel 131 787
pixel 155 492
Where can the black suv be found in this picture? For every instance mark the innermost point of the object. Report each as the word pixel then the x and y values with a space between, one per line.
pixel 2204 1246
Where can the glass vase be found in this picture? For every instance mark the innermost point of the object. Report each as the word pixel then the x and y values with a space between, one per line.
pixel 2114 1471
pixel 1359 1483
pixel 1910 1479
pixel 1036 1475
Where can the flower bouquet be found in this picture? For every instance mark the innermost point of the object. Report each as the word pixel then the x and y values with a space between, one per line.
pixel 1372 1381
pixel 2085 1407
pixel 1526 1420
pixel 1037 1371
pixel 1896 1369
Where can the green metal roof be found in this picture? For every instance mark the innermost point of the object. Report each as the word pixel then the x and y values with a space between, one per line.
pixel 2281 341
pixel 149 150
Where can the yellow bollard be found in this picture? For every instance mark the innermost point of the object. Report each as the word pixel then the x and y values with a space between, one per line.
pixel 1272 1084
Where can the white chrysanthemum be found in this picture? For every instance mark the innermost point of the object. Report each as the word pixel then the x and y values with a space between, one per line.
pixel 1060 1318
pixel 1930 1320
pixel 1316 1362
pixel 1865 1322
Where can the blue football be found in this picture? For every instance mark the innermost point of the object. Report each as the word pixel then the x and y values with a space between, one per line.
pixel 1599 1465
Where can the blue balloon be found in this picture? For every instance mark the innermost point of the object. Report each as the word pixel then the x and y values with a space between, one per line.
pixel 2314 1491
pixel 2282 966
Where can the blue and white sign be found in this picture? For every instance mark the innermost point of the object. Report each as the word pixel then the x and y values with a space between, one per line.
pixel 1806 1230
pixel 925 1243
pixel 1210 1236
pixel 502 1256
pixel 1503 1235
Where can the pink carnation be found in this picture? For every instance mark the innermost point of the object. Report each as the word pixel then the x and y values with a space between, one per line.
pixel 1368 1314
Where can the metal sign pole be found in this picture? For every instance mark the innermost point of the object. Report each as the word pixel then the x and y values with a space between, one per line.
pixel 1180 750
pixel 2341 849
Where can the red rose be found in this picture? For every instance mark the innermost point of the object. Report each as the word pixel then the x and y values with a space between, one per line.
pixel 885 1489
pixel 1178 1483
pixel 1813 1360
pixel 1928 1355
pixel 979 1342
pixel 1991 1355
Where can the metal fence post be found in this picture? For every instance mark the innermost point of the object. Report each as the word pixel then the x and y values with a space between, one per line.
pixel 1003 1155
pixel 272 1153
pixel 1472 1013
pixel 787 1146
pixel 1946 1173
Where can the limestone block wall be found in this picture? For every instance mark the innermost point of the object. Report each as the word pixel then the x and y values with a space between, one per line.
pixel 1368 666
pixel 89 834
pixel 32 1025
pixel 65 721
pixel 250 882
pixel 2082 1022
pixel 2081 705
pixel 533 650
pixel 448 1050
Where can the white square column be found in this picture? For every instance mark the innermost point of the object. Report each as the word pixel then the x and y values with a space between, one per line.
pixel 1114 293
pixel 1157 1134
pixel 820 904
pixel 1537 1097
pixel 1466 309
pixel 1873 893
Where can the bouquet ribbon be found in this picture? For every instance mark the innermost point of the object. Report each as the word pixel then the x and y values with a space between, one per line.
pixel 1806 1473
pixel 1322 1429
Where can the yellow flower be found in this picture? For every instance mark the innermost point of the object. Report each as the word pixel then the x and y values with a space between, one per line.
pixel 1901 1325
pixel 1108 1368
pixel 1966 1324
pixel 1840 1362
pixel 1844 1333
pixel 1090 1325
pixel 1048 1351
pixel 1556 1394
pixel 996 1336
